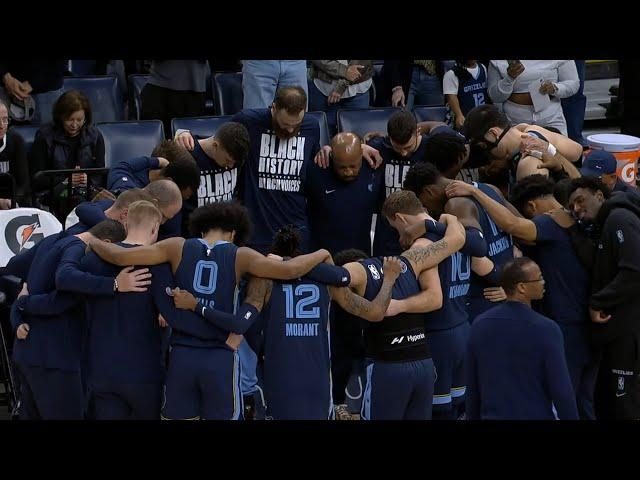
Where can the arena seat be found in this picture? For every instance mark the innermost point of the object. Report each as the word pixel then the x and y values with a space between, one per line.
pixel 361 122
pixel 44 106
pixel 227 92
pixel 28 134
pixel 103 93
pixel 199 126
pixel 425 114
pixel 136 84
pixel 83 67
pixel 321 118
pixel 124 140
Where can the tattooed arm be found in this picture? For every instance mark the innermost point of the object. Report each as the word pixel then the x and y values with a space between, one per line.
pixel 424 258
pixel 372 311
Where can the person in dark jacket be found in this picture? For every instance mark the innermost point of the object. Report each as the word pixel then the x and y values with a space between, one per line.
pixel 614 302
pixel 70 141
pixel 603 165
pixel 516 368
pixel 13 160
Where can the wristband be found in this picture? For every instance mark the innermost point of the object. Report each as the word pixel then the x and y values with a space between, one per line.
pixel 552 150
pixel 115 284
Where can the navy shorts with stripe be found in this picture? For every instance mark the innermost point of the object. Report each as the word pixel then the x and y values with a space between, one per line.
pixel 398 390
pixel 202 383
pixel 448 350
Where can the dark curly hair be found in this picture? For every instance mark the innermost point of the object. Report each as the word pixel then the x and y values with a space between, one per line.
pixel 226 216
pixel 286 242
pixel 348 256
pixel 530 188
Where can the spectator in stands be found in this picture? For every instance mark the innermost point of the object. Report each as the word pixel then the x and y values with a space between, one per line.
pixel 176 88
pixel 602 164
pixel 339 84
pixel 417 82
pixel 574 108
pixel 13 160
pixel 23 78
pixel 510 83
pixel 70 141
pixel 261 79
pixel 464 87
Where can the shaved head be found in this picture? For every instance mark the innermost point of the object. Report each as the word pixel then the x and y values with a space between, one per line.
pixel 347 156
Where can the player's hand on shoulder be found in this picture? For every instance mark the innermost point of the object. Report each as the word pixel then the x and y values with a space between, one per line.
pixel 186 140
pixel 392 267
pixel 323 157
pixel 458 188
pixel 371 155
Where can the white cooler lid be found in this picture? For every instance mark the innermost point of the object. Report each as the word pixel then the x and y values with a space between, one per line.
pixel 614 142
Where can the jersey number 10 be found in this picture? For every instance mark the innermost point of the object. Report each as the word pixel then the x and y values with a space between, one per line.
pixel 302 310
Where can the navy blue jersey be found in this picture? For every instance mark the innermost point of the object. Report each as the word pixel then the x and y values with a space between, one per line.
pixel 340 212
pixel 297 363
pixel 400 338
pixel 500 250
pixel 124 335
pixel 273 180
pixel 472 92
pixel 132 173
pixel 567 293
pixel 209 273
pixel 455 280
pixel 386 240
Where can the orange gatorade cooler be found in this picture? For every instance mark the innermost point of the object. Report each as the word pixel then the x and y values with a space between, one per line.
pixel 625 148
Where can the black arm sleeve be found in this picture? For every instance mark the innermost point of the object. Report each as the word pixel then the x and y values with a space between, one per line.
pixel 330 275
pixel 238 323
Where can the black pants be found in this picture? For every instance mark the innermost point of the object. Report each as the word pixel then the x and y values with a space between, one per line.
pixel 618 387
pixel 346 347
pixel 164 104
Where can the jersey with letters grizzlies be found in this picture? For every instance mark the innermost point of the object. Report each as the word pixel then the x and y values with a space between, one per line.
pixel 472 92
pixel 209 273
pixel 395 168
pixel 272 182
pixel 296 349
pixel 455 280
pixel 500 243
pixel 400 338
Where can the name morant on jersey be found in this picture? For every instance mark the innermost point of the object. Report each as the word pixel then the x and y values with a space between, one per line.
pixel 301 329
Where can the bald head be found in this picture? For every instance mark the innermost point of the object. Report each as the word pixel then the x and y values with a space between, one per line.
pixel 167 197
pixel 347 156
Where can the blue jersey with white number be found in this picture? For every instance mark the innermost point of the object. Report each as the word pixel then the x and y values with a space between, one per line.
pixel 297 359
pixel 500 252
pixel 472 92
pixel 209 273
pixel 455 280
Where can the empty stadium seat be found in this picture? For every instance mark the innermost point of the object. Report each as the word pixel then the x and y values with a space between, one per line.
pixel 44 106
pixel 199 126
pixel 124 140
pixel 104 95
pixel 136 84
pixel 227 92
pixel 28 134
pixel 321 118
pixel 425 114
pixel 83 67
pixel 364 121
